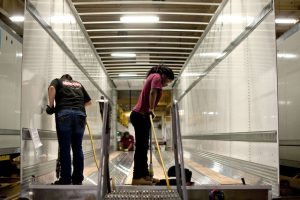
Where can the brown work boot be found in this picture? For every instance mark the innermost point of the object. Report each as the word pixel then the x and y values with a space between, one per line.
pixel 153 180
pixel 141 181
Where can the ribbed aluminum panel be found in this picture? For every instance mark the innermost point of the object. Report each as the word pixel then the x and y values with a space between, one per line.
pixel 120 167
pixel 288 57
pixel 54 45
pixel 239 91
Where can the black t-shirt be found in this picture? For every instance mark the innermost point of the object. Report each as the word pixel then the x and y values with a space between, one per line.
pixel 69 94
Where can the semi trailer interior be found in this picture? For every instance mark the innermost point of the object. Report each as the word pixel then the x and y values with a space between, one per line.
pixel 230 116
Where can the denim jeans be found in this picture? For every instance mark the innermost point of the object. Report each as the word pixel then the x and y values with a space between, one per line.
pixel 70 125
pixel 141 124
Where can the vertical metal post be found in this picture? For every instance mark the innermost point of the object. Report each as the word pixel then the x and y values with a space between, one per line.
pixel 178 150
pixel 102 175
pixel 175 149
pixel 179 143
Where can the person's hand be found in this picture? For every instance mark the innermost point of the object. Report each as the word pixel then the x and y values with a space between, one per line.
pixel 125 150
pixel 50 110
pixel 152 114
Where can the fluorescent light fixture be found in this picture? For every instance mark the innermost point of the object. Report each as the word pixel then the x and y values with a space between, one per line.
pixel 285 21
pixel 127 75
pixel 17 18
pixel 191 74
pixel 286 55
pixel 139 19
pixel 123 55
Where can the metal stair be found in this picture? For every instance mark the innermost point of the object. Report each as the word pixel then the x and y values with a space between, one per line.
pixel 143 194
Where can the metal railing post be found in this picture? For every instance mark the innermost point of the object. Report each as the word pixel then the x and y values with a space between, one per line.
pixel 103 175
pixel 178 150
pixel 175 149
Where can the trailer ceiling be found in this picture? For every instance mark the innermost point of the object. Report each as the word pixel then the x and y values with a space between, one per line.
pixel 168 42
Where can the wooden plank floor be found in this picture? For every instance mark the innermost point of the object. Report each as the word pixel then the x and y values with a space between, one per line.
pixel 223 180
pixel 159 174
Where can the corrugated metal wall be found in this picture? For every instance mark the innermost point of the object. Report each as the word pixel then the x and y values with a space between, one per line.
pixel 230 115
pixel 54 44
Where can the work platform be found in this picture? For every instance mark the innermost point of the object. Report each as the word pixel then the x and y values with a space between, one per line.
pixel 89 192
pixel 121 164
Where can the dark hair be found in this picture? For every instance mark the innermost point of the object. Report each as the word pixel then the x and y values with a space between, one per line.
pixel 66 77
pixel 160 69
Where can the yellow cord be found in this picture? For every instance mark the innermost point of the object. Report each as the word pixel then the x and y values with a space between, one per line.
pixel 93 147
pixel 162 162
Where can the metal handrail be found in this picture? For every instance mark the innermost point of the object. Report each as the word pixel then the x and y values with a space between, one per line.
pixel 177 145
pixel 103 175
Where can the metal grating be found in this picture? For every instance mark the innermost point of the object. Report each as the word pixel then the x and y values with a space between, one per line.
pixel 143 194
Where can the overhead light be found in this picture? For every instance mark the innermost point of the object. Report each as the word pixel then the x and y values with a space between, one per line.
pixel 17 18
pixel 286 55
pixel 123 55
pixel 139 19
pixel 127 75
pixel 285 21
pixel 190 74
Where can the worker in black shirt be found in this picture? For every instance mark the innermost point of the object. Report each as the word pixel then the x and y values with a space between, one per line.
pixel 70 100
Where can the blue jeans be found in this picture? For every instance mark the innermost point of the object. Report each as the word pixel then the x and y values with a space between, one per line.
pixel 70 125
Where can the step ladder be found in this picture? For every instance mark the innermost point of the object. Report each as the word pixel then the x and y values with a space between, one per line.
pixel 148 192
pixel 143 194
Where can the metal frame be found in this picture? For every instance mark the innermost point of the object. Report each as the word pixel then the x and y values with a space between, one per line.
pixel 50 135
pixel 135 47
pixel 143 36
pixel 10 150
pixel 145 13
pixel 134 64
pixel 145 29
pixel 79 22
pixel 151 52
pixel 210 25
pixel 146 42
pixel 115 61
pixel 263 14
pixel 146 2
pixel 177 58
pixel 9 132
pixel 255 136
pixel 10 31
pixel 177 145
pixel 159 22
pixel 103 174
pixel 36 15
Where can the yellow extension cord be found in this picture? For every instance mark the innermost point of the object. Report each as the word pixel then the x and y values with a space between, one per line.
pixel 158 149
pixel 154 133
pixel 94 153
pixel 92 142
